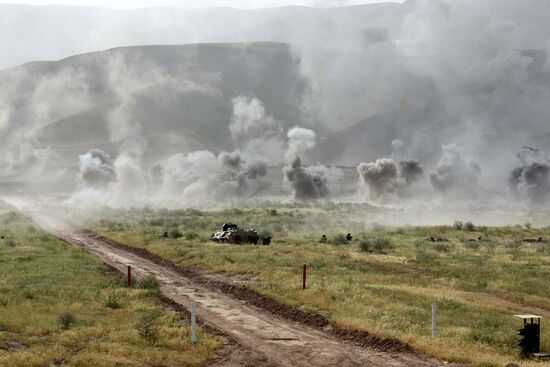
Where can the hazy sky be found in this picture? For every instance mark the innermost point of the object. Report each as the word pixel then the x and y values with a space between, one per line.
pixel 198 3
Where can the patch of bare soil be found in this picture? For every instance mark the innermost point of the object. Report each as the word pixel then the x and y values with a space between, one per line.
pixel 358 337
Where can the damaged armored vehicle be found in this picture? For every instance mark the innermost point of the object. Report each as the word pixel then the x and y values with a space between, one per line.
pixel 231 233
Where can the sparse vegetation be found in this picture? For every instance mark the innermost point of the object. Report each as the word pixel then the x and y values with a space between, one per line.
pixel 384 283
pixel 479 276
pixel 149 283
pixel 113 302
pixel 338 239
pixel 66 320
pixel 175 233
pixel 377 245
pixel 148 327
pixel 60 306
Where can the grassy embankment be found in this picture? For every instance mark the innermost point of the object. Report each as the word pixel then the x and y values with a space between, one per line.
pixel 60 306
pixel 384 283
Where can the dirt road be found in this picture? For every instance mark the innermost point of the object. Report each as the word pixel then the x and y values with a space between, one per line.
pixel 264 339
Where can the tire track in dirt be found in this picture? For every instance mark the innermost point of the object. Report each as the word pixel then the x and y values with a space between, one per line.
pixel 264 338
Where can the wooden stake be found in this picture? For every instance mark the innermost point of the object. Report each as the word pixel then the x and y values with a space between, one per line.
pixel 304 277
pixel 129 276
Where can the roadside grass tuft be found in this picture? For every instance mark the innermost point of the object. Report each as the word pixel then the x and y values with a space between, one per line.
pixel 149 283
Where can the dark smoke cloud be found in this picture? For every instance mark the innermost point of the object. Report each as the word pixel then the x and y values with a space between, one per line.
pixel 411 170
pixel 306 183
pixel 311 182
pixel 243 178
pixel 531 179
pixel 96 170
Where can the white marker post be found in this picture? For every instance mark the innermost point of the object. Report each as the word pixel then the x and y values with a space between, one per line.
pixel 434 320
pixel 193 323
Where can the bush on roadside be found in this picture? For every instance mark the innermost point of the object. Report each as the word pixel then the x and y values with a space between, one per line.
pixel 148 282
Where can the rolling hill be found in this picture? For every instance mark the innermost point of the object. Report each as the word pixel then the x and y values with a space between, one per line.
pixel 178 98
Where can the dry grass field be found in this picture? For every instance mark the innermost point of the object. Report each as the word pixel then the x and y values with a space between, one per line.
pixel 61 306
pixel 384 281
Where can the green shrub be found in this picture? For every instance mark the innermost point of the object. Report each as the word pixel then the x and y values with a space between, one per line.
pixel 3 302
pixel 148 327
pixel 469 226
pixel 377 245
pixel 471 245
pixel 444 248
pixel 66 320
pixel 175 233
pixel 458 225
pixel 191 236
pixel 264 234
pixel 425 257
pixel 148 282
pixel 339 239
pixel 156 222
pixel 112 302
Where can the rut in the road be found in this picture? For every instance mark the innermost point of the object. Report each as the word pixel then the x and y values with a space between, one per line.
pixel 358 337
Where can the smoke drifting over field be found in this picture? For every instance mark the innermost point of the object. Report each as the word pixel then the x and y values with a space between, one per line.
pixel 380 177
pixel 254 131
pixel 437 95
pixel 306 182
pixel 456 173
pixel 531 179
pixel 96 170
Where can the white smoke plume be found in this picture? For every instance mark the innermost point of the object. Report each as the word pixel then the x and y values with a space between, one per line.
pixel 399 150
pixel 202 177
pixel 28 105
pixel 300 140
pixel 456 174
pixel 254 131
